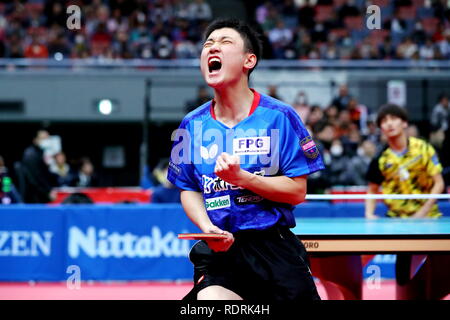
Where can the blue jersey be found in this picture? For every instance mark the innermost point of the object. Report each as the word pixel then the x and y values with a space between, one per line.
pixel 271 141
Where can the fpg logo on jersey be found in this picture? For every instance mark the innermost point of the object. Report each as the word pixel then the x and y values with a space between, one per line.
pixel 251 146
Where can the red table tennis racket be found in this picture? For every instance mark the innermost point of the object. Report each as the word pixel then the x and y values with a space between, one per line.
pixel 201 236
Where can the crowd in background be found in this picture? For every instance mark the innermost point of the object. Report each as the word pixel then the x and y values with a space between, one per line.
pixel 109 29
pixel 36 175
pixel 168 29
pixel 348 137
pixel 345 131
pixel 326 29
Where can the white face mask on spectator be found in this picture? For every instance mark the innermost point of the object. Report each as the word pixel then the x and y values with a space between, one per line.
pixel 44 143
pixel 336 150
pixel 361 152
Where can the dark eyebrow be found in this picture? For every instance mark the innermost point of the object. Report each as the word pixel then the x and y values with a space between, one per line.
pixel 220 39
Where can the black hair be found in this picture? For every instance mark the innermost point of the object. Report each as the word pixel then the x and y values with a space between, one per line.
pixel 252 40
pixel 78 198
pixel 442 96
pixel 393 110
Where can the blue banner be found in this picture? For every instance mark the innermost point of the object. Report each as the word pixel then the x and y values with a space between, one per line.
pixel 117 242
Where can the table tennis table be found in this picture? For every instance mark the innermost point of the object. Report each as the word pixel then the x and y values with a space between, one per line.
pixel 338 249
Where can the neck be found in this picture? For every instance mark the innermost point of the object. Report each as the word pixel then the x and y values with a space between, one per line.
pixel 398 143
pixel 233 103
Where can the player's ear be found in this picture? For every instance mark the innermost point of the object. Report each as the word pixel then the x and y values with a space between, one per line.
pixel 250 61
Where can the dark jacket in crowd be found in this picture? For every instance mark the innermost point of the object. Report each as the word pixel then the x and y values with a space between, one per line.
pixel 38 178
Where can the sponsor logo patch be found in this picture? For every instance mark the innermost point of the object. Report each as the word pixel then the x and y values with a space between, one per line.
pixel 248 199
pixel 251 145
pixel 309 147
pixel 218 203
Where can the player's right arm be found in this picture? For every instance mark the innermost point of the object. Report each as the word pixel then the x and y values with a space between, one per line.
pixel 375 179
pixel 370 204
pixel 193 205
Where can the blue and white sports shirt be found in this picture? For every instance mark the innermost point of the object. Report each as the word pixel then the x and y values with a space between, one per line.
pixel 271 141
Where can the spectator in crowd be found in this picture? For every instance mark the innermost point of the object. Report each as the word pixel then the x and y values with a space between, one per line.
pixel 324 134
pixel 329 50
pixel 338 165
pixel 444 45
pixel 373 133
pixel 315 117
pixel 351 141
pixel 437 139
pixel 36 49
pixel 306 15
pixel 273 91
pixel 440 114
pixel 39 181
pixel 407 49
pixel 165 192
pixel 281 38
pixel 358 113
pixel 412 131
pixel 59 46
pixel 303 44
pixel 355 173
pixel 331 114
pixel 55 13
pixel 8 192
pixel 419 36
pixel 301 106
pixel 262 11
pixel 427 50
pixel 199 10
pixel 386 50
pixel 203 96
pixel 62 170
pixel 396 25
pixel 86 177
pixel 345 124
pixel 342 99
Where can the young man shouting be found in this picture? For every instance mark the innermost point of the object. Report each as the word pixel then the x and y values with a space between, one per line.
pixel 241 161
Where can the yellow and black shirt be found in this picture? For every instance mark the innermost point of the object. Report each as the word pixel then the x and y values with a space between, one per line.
pixel 408 173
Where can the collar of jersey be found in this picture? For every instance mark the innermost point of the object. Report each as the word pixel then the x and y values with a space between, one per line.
pixel 255 103
pixel 402 153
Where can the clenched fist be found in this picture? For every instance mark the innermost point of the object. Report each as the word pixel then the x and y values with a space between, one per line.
pixel 228 168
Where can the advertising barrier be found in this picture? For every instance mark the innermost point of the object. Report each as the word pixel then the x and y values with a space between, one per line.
pixel 119 241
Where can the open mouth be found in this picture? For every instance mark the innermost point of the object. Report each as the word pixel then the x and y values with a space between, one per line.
pixel 214 64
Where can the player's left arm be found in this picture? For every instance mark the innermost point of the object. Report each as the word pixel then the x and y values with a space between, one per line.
pixel 438 187
pixel 279 188
pixel 433 168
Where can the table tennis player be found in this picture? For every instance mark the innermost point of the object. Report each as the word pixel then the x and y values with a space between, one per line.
pixel 241 161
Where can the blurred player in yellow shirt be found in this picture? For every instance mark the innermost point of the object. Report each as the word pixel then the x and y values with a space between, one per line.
pixel 407 165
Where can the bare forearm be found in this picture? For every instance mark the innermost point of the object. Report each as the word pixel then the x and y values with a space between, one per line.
pixel 371 204
pixel 279 188
pixel 438 187
pixel 195 209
